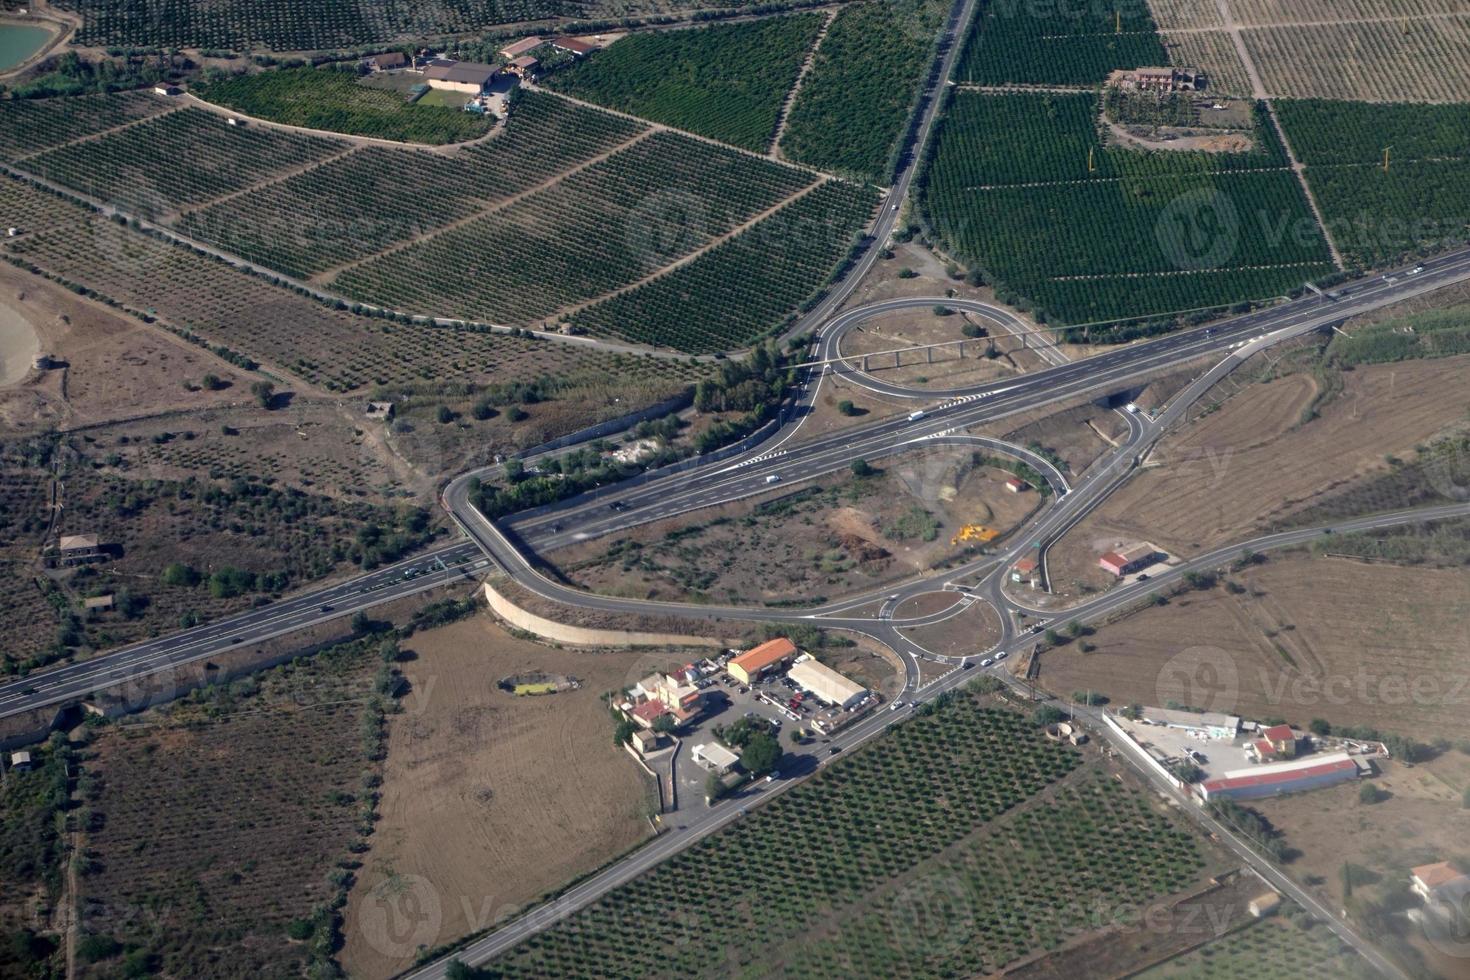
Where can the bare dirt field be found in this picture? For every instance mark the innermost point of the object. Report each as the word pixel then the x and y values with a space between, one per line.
pixel 942 367
pixel 1298 642
pixel 1250 464
pixel 489 800
pixel 1421 820
pixel 829 539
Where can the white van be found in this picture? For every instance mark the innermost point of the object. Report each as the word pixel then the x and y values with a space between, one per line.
pixel 773 478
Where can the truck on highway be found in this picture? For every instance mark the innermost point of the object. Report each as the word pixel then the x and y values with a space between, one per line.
pixel 915 416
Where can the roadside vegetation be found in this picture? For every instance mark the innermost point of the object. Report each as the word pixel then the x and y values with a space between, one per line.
pixel 330 98
pixel 856 100
pixel 727 81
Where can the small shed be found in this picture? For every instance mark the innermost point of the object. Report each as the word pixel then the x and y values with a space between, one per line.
pixel 21 761
pixel 99 603
pixel 524 67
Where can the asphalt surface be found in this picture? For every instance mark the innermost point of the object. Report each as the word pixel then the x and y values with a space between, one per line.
pixel 784 461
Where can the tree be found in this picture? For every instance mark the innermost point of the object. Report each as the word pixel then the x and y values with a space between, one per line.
pixel 861 468
pixel 1047 714
pixel 941 310
pixel 714 787
pixel 212 382
pixel 1368 793
pixel 664 724
pixel 181 575
pixel 1052 637
pixel 623 732
pixel 361 624
pixel 846 407
pixel 515 470
pixel 300 929
pixel 264 394
pixel 1320 726
pixel 761 755
pixel 445 415
pixel 1074 629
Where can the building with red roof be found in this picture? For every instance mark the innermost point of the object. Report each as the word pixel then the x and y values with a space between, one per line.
pixel 1278 779
pixel 751 665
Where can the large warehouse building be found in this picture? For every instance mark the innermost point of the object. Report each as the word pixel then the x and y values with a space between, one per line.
pixel 825 684
pixel 1299 775
pixel 771 655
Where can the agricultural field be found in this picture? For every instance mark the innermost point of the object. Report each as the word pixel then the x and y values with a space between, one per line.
pixel 1222 478
pixel 806 545
pixel 331 99
pixel 294 25
pixel 207 870
pixel 857 96
pixel 925 902
pixel 467 763
pixel 727 82
pixel 1058 44
pixel 32 858
pixel 139 168
pixel 1216 53
pixel 1376 217
pixel 243 317
pixel 30 125
pixel 378 198
pixel 1023 187
pixel 1278 947
pixel 598 230
pixel 1419 60
pixel 708 305
pixel 1293 638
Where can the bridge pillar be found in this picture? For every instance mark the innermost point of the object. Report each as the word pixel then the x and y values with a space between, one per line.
pixel 865 363
pixel 929 353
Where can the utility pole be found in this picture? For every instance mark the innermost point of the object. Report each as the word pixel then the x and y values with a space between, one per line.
pixel 1090 167
pixel 1385 158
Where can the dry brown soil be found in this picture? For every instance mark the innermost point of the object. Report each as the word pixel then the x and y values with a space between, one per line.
pixel 490 801
pixel 1299 643
pixel 1236 471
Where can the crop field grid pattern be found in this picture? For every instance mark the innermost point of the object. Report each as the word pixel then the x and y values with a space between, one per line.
pixel 29 126
pixel 1016 42
pixel 850 114
pixel 302 25
pixel 841 899
pixel 1376 216
pixel 742 289
pixel 378 198
pixel 331 348
pixel 601 228
pixel 727 82
pixel 1023 186
pixel 177 159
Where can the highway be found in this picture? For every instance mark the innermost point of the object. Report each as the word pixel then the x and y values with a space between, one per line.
pixel 786 460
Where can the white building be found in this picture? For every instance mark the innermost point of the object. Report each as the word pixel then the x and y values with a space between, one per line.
pixel 1211 724
pixel 715 757
pixel 826 684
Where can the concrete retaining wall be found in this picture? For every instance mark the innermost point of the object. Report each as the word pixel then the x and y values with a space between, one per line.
pixel 549 629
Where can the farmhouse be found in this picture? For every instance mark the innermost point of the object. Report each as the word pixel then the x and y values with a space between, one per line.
pixel 459 76
pixel 573 46
pixel 1160 79
pixel 758 661
pixel 523 67
pixel 512 51
pixel 165 88
pixel 1126 561
pixel 826 684
pixel 715 757
pixel 1274 743
pixel 74 549
pixel 1017 485
pixel 1278 779
pixel 387 61
pixel 1206 723
pixel 1431 882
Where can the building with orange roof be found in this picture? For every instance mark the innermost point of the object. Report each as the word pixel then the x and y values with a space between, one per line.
pixel 758 661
